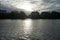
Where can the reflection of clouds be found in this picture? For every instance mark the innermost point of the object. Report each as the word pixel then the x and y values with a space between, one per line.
pixel 42 4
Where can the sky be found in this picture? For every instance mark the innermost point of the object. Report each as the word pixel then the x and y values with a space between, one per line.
pixel 40 5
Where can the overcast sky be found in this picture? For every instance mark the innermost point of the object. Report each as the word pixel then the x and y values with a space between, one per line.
pixel 43 5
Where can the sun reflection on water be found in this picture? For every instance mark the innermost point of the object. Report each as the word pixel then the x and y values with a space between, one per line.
pixel 27 26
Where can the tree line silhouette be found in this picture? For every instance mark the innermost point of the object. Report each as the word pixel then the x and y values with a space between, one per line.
pixel 34 15
pixel 12 15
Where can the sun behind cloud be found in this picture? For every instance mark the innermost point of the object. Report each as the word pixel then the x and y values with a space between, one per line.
pixel 26 6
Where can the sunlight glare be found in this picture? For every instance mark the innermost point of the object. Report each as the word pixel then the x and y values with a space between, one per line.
pixel 26 6
pixel 27 26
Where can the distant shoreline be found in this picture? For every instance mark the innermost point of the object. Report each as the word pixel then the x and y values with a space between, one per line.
pixel 33 15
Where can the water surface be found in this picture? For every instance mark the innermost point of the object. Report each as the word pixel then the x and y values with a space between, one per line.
pixel 29 29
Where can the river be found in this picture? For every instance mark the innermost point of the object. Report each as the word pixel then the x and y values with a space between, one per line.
pixel 28 29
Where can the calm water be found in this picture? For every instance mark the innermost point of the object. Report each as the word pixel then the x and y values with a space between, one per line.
pixel 30 29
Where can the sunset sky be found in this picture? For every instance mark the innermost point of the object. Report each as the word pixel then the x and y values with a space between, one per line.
pixel 32 5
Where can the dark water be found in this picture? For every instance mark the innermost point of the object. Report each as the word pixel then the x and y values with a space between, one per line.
pixel 30 29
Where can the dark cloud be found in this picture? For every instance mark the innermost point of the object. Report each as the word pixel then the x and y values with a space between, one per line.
pixel 3 7
pixel 51 4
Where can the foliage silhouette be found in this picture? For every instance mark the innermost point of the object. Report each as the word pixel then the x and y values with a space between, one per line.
pixel 34 15
pixel 12 15
pixel 50 15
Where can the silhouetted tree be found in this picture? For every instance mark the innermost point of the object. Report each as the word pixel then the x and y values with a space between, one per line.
pixel 45 15
pixel 55 15
pixel 14 15
pixel 34 15
pixel 22 15
pixel 50 15
pixel 3 14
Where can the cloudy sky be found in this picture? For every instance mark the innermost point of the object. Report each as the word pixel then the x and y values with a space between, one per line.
pixel 42 5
